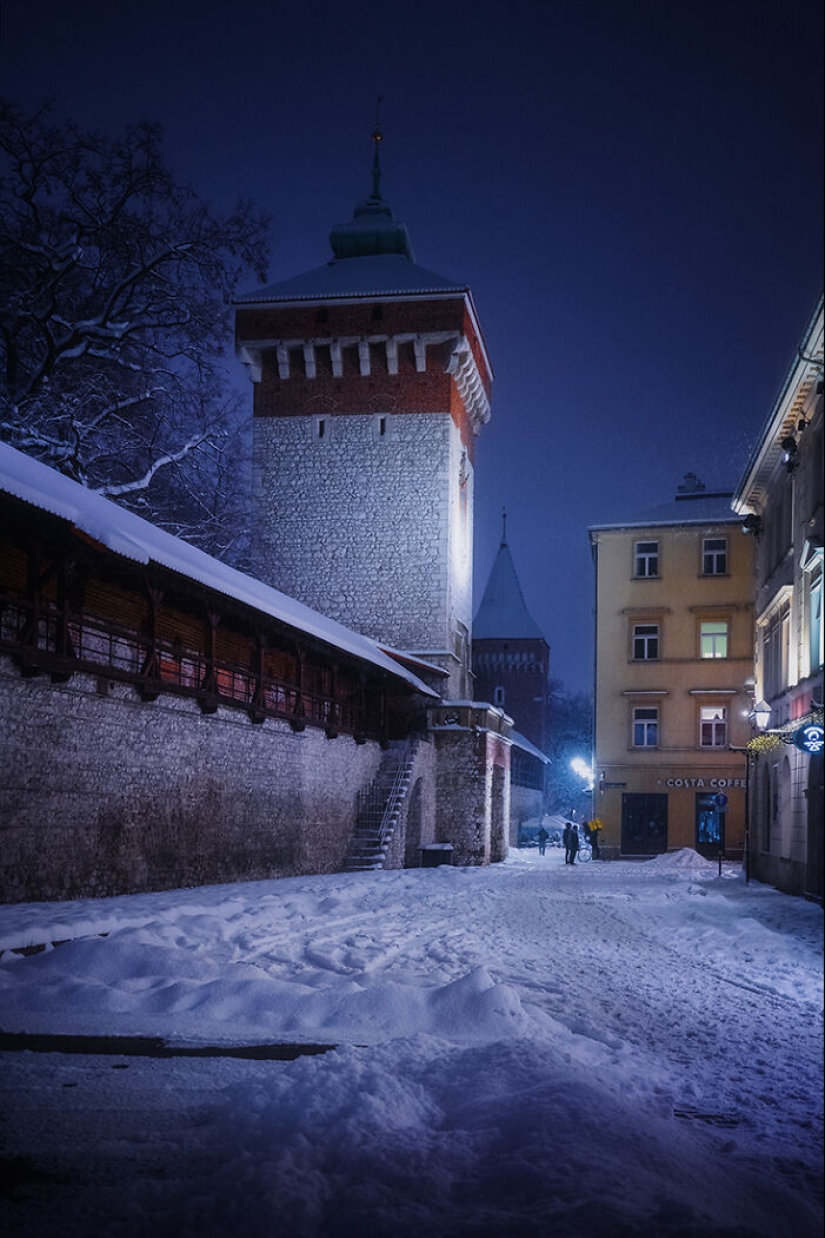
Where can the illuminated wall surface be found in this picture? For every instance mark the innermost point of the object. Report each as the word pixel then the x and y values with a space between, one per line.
pixel 371 528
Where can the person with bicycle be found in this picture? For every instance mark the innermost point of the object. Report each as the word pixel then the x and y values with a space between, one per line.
pixel 591 833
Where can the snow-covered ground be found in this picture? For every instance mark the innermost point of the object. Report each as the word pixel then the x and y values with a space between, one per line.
pixel 529 1050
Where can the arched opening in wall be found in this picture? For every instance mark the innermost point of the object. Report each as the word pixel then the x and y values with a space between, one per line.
pixel 412 842
pixel 774 824
pixel 763 809
pixel 816 826
pixel 785 791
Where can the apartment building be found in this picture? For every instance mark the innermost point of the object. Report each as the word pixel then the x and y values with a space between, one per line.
pixel 674 676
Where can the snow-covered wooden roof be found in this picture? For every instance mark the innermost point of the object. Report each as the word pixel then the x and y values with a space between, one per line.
pixel 129 535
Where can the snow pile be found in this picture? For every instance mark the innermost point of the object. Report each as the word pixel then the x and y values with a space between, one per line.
pixel 605 1051
pixel 686 860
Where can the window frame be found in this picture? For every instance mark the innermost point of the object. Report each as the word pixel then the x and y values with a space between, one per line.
pixel 718 727
pixel 714 558
pixel 646 558
pixel 714 637
pixel 650 725
pixel 643 636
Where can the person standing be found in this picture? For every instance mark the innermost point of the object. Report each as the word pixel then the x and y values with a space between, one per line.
pixel 542 836
pixel 569 834
pixel 592 829
pixel 574 843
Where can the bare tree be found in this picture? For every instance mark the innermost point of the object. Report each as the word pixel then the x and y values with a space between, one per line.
pixel 571 735
pixel 115 292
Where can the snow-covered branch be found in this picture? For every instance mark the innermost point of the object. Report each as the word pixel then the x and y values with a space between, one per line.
pixel 115 283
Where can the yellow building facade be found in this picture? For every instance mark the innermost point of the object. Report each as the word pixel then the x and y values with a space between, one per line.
pixel 674 677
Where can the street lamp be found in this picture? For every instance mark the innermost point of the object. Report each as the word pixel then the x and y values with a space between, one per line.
pixel 760 714
pixel 580 767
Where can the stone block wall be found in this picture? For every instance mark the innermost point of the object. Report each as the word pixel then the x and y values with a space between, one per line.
pixel 357 516
pixel 473 806
pixel 102 793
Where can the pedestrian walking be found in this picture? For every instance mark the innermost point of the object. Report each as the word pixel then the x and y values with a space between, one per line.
pixel 542 836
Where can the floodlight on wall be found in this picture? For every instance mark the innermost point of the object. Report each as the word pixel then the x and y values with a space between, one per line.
pixel 752 524
pixel 791 452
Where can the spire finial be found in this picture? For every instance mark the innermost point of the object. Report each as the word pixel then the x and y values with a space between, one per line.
pixel 504 526
pixel 377 138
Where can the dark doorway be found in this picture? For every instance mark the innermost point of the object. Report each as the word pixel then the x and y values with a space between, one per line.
pixel 710 825
pixel 644 824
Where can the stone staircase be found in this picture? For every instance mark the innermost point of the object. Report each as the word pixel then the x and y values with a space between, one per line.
pixel 379 807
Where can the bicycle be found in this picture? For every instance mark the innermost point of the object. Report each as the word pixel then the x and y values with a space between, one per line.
pixel 585 853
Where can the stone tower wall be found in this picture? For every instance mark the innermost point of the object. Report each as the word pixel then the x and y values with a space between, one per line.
pixel 368 519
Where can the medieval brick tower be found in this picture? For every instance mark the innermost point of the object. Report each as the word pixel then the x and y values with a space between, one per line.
pixel 510 655
pixel 371 381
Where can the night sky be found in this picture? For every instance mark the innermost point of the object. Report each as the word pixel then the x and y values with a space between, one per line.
pixel 632 190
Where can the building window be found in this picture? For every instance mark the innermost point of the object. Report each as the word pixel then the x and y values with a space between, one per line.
pixel 715 556
pixel 498 696
pixel 646 559
pixel 713 726
pixel 645 727
pixel 776 652
pixel 814 618
pixel 713 639
pixel 645 642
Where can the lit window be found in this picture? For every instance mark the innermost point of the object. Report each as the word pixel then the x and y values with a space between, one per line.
pixel 713 726
pixel 645 642
pixel 713 639
pixel 645 727
pixel 647 559
pixel 715 556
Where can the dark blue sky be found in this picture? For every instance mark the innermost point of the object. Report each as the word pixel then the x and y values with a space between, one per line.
pixel 633 192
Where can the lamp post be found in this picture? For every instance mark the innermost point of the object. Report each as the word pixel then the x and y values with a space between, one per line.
pixel 759 718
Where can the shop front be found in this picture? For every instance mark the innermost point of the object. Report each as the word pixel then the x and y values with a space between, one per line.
pixel 666 810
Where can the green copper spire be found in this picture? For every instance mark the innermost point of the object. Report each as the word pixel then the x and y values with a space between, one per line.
pixel 377 138
pixel 372 230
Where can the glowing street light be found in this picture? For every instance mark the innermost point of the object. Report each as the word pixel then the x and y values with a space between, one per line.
pixel 580 767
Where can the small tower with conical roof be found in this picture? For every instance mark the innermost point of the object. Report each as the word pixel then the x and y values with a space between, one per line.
pixel 371 382
pixel 510 655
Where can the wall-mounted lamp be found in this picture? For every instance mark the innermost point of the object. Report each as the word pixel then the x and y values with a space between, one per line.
pixel 791 452
pixel 752 524
pixel 760 714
